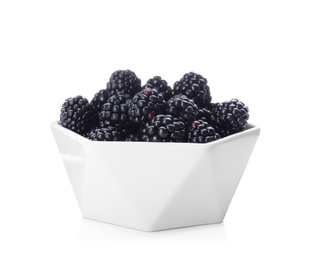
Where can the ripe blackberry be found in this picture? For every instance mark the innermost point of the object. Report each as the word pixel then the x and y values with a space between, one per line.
pixel 99 99
pixel 230 117
pixel 202 132
pixel 115 111
pixel 195 87
pixel 222 131
pixel 124 81
pixel 145 105
pixel 182 107
pixel 205 115
pixel 78 115
pixel 104 134
pixel 164 128
pixel 160 85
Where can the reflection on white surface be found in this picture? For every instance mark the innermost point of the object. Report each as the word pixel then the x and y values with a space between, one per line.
pixel 96 233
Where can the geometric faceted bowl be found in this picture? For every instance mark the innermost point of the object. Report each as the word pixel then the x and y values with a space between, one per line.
pixel 153 186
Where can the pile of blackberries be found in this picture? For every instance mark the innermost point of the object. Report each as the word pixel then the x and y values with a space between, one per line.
pixel 126 110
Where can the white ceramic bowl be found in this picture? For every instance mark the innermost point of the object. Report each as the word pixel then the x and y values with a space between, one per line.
pixel 155 186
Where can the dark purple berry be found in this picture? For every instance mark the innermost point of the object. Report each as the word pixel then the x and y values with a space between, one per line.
pixel 145 105
pixel 78 115
pixel 182 107
pixel 195 87
pixel 99 99
pixel 104 134
pixel 202 132
pixel 164 128
pixel 124 81
pixel 230 117
pixel 161 86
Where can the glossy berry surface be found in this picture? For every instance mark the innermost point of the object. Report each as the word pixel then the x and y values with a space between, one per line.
pixel 155 112
pixel 182 107
pixel 99 99
pixel 145 105
pixel 202 132
pixel 195 87
pixel 164 128
pixel 230 117
pixel 115 111
pixel 160 85
pixel 124 81
pixel 104 134
pixel 78 115
pixel 205 114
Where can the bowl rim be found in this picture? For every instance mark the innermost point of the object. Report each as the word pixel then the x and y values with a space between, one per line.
pixel 251 128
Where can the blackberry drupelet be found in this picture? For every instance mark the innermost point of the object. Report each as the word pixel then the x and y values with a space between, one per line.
pixel 205 114
pixel 164 128
pixel 124 81
pixel 222 131
pixel 230 117
pixel 99 99
pixel 104 134
pixel 160 85
pixel 115 111
pixel 195 87
pixel 78 115
pixel 182 107
pixel 212 106
pixel 133 137
pixel 145 105
pixel 202 132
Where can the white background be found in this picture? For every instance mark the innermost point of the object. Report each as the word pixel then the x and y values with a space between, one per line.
pixel 257 51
